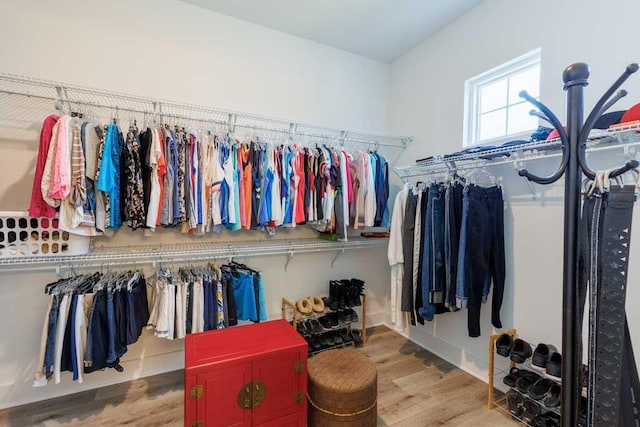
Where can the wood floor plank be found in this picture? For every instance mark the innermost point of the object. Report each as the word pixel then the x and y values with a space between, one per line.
pixel 415 388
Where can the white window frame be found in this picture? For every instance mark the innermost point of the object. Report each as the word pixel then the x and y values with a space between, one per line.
pixel 472 98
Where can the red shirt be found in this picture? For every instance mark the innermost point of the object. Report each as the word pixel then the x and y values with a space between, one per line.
pixel 38 207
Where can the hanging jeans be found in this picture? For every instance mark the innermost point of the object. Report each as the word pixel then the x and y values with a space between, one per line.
pixel 433 268
pixel 482 253
pixel 452 225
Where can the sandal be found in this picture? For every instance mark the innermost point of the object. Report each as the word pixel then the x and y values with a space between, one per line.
pixel 317 304
pixel 513 376
pixel 305 306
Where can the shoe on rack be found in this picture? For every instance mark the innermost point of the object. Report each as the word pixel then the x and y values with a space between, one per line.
pixel 541 355
pixel 520 351
pixel 325 322
pixel 314 343
pixel 346 336
pixel 337 337
pixel 553 419
pixel 503 345
pixel 512 377
pixel 514 403
pixel 357 289
pixel 357 337
pixel 313 326
pixel 553 397
pixel 540 388
pixel 526 380
pixel 305 306
pixel 317 304
pixel 554 365
pixel 531 410
pixel 327 340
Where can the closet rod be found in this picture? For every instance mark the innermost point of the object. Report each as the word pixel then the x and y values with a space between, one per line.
pixel 66 95
pixel 145 255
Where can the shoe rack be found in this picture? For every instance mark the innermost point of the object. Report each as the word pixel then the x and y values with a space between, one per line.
pixel 497 393
pixel 291 313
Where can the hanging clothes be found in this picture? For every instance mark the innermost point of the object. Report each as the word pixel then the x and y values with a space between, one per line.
pixel 98 179
pixel 90 321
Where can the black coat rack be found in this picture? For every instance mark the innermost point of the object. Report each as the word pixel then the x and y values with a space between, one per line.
pixel 572 166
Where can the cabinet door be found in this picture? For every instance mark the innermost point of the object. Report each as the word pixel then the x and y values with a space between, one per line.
pixel 285 391
pixel 219 403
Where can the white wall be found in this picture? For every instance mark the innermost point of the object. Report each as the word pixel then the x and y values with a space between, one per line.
pixel 426 101
pixel 171 50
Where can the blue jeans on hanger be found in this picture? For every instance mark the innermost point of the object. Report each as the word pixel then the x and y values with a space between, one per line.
pixel 433 267
pixel 51 335
pixel 111 329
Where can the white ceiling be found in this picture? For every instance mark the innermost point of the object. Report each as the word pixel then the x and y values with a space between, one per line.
pixel 378 29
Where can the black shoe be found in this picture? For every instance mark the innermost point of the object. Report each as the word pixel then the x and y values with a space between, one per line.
pixel 531 410
pixel 357 287
pixel 512 378
pixel 325 322
pixel 541 355
pixel 357 338
pixel 314 326
pixel 333 295
pixel 514 403
pixel 333 319
pixel 526 380
pixel 554 365
pixel 539 390
pixel 520 351
pixel 337 338
pixel 552 419
pixel 553 396
pixel 503 345
pixel 314 343
pixel 346 336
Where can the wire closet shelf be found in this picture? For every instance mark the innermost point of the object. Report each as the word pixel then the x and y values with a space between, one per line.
pixel 106 257
pixel 625 137
pixel 73 98
pixel 26 101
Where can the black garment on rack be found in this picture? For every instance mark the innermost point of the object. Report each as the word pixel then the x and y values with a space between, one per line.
pixel 453 225
pixel 145 145
pixel 421 210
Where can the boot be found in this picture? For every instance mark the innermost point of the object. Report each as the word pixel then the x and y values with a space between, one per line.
pixel 358 289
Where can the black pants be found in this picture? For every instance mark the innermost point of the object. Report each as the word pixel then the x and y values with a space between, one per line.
pixel 484 254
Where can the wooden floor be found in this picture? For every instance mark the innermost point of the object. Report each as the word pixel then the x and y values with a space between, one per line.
pixel 415 388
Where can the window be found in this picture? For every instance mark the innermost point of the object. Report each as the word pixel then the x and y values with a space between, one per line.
pixel 493 109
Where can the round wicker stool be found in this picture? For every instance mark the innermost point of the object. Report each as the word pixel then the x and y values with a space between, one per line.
pixel 343 389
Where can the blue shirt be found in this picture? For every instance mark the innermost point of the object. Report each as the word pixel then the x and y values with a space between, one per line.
pixel 109 179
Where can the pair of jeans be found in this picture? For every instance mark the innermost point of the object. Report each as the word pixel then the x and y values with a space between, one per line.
pixel 51 335
pixel 483 253
pixel 433 259
pixel 452 227
pixel 137 309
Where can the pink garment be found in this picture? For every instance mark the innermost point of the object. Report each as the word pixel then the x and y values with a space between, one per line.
pixel 61 167
pixel 38 207
pixel 347 166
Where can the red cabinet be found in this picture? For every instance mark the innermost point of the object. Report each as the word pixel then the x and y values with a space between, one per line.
pixel 253 375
